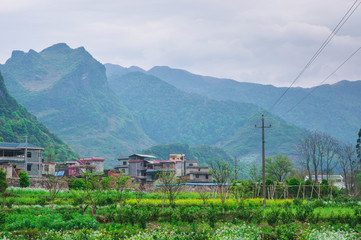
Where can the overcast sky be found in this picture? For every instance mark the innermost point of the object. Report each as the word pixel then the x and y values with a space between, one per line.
pixel 263 41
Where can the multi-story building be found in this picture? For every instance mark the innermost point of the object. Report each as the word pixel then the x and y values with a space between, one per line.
pixel 123 166
pixel 146 168
pixel 138 164
pixel 16 157
pixel 77 167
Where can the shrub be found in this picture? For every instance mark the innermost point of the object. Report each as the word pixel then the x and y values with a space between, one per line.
pixel 303 212
pixel 272 216
pixel 78 184
pixel 81 221
pixel 286 216
pixel 297 202
pixel 2 218
pixel 24 181
pixel 10 202
pixel 41 201
pixel 257 216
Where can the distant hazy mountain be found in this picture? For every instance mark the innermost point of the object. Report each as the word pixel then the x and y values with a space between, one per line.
pixel 335 109
pixel 169 115
pixel 16 122
pixel 67 90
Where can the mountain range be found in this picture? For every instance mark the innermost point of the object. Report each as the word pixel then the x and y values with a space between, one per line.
pixel 334 109
pixel 67 90
pixel 109 110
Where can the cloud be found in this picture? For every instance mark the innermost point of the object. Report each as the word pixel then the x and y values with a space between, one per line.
pixel 255 41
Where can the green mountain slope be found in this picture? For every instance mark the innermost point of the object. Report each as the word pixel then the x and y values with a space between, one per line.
pixel 170 115
pixel 16 122
pixel 67 90
pixel 335 109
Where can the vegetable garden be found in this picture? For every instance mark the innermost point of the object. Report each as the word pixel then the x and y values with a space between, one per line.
pixel 27 214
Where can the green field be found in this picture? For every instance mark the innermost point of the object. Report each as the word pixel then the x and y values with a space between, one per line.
pixel 27 214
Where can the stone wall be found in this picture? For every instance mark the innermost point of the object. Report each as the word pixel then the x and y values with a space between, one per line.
pixel 36 183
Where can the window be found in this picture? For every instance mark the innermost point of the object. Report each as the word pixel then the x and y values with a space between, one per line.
pixel 124 163
pixel 29 167
pixel 46 168
pixel 197 176
pixel 167 165
pixel 199 169
pixel 141 164
pixel 206 176
pixel 29 154
pixel 191 164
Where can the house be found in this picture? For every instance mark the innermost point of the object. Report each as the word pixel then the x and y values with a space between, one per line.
pixel 16 157
pixel 195 173
pixel 138 164
pixel 154 167
pixel 48 168
pixel 146 168
pixel 79 166
pixel 123 167
pixel 336 180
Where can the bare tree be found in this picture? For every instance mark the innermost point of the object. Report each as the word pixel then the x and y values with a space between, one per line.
pixel 53 185
pixel 139 193
pixel 305 150
pixel 319 150
pixel 204 194
pixel 170 185
pixel 224 176
pixel 332 147
pixel 348 162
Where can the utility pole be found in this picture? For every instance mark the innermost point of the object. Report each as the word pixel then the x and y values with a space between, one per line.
pixel 263 162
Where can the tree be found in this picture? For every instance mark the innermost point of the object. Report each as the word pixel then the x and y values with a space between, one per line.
pixel 120 184
pixel 278 167
pixel 53 185
pixel 255 173
pixel 319 152
pixel 24 179
pixel 223 174
pixel 170 185
pixel 204 194
pixel 93 189
pixel 139 193
pixel 348 162
pixel 3 185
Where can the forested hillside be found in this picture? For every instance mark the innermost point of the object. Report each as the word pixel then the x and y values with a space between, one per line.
pixel 16 123
pixel 168 115
pixel 67 90
pixel 334 109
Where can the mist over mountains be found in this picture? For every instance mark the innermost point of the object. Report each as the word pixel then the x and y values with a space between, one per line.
pixel 109 110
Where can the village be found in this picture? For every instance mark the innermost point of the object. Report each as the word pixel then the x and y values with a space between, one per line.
pixel 17 157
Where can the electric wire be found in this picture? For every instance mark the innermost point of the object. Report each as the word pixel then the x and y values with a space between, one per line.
pixel 344 19
pixel 314 89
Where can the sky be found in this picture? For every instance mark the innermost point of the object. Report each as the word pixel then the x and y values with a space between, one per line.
pixel 262 41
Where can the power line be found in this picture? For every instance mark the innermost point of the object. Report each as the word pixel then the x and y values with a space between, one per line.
pixel 314 89
pixel 343 20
